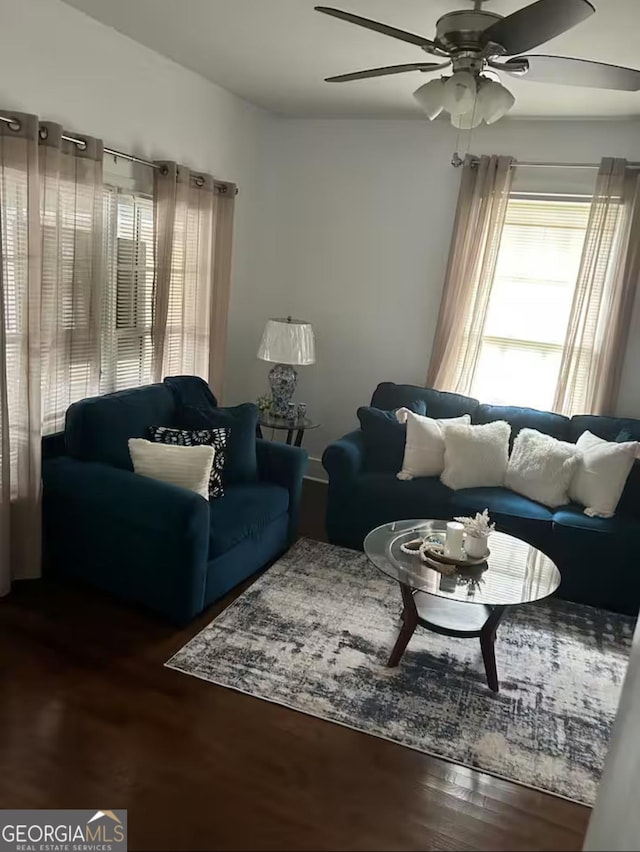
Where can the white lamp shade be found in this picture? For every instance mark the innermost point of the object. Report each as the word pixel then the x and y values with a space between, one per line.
pixel 430 97
pixel 288 341
pixel 459 93
pixel 494 100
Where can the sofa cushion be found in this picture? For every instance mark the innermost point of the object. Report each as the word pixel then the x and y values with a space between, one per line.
pixel 439 403
pixel 573 517
pixel 475 455
pixel 380 497
pixel 216 438
pixel 511 512
pixel 186 467
pixel 541 467
pixel 614 429
pixel 241 464
pixel 244 512
pixel 525 418
pixel 98 429
pixel 424 447
pixel 602 473
pixel 500 501
pixel 384 437
pixel 597 559
pixel 607 428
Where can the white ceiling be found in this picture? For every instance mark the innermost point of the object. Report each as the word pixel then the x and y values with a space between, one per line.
pixel 275 53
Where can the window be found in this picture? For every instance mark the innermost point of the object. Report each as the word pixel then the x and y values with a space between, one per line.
pixel 126 359
pixel 530 301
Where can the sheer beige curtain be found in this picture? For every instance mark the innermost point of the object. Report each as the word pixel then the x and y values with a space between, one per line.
pixel 50 279
pixel 193 224
pixel 73 263
pixel 20 245
pixel 479 221
pixel 598 327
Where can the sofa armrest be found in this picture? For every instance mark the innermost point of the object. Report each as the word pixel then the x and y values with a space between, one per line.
pixel 140 538
pixel 344 459
pixel 285 466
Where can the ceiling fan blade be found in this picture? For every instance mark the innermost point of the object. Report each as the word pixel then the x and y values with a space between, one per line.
pixel 389 69
pixel 574 72
pixel 536 24
pixel 420 41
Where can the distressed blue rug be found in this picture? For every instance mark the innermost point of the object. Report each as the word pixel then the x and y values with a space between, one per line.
pixel 314 634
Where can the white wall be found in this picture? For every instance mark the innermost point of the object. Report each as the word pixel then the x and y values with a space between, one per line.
pixel 64 66
pixel 359 226
pixel 344 223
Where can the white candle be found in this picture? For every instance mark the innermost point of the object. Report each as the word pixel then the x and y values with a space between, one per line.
pixel 454 540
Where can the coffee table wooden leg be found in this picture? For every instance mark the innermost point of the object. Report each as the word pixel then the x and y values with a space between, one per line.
pixel 487 643
pixel 409 624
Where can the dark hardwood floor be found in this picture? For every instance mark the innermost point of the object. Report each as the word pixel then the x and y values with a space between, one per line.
pixel 90 718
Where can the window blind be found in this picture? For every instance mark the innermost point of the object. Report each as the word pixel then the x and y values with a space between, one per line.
pixel 531 298
pixel 128 306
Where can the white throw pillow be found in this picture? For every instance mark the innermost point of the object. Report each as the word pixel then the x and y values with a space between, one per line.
pixel 541 467
pixel 601 474
pixel 188 467
pixel 475 456
pixel 424 446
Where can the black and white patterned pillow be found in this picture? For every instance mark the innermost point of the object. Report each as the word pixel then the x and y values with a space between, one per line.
pixel 216 438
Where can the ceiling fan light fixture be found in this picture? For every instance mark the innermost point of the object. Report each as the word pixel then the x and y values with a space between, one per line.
pixel 459 93
pixel 467 120
pixel 430 97
pixel 494 100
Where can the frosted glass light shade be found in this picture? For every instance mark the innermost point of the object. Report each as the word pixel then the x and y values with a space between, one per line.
pixel 459 93
pixel 494 100
pixel 468 120
pixel 288 341
pixel 430 97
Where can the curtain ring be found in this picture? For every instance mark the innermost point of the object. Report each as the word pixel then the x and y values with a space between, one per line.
pixel 164 170
pixel 81 144
pixel 199 181
pixel 15 124
pixel 43 132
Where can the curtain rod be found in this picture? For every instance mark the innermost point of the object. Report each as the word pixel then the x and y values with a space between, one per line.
pixel 534 165
pixel 15 124
pixel 456 162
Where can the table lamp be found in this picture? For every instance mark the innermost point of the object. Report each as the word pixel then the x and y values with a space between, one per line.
pixel 286 342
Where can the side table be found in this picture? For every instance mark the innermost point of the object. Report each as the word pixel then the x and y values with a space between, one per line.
pixel 300 426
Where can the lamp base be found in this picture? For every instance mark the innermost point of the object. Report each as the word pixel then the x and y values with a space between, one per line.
pixel 282 381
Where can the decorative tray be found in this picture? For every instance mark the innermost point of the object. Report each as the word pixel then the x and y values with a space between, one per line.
pixel 434 552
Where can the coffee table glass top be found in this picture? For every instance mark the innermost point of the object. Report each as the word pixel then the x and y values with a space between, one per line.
pixel 515 572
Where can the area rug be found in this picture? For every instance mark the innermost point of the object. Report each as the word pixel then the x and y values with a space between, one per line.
pixel 315 631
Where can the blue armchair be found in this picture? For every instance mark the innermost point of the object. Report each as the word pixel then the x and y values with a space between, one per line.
pixel 147 541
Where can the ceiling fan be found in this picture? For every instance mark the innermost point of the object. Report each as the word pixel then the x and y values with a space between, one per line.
pixel 477 43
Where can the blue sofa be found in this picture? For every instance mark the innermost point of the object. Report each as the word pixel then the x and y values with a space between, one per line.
pixel 148 541
pixel 596 556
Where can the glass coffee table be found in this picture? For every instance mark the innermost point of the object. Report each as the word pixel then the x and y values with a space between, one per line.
pixel 468 603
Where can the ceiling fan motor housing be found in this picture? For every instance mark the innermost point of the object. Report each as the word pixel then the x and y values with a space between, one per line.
pixel 462 30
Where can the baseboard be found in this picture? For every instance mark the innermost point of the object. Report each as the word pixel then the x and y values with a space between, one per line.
pixel 316 472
